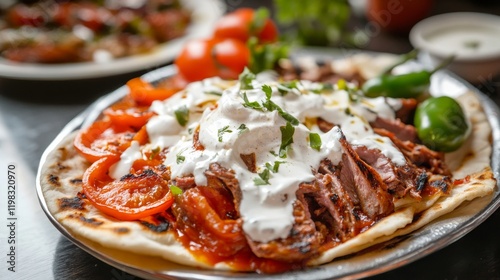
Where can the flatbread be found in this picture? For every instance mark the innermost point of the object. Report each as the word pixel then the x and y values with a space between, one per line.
pixel 62 172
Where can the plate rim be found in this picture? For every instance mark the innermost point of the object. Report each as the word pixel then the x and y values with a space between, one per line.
pixel 321 272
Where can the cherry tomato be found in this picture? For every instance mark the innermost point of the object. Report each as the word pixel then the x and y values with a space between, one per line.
pixel 231 57
pixel 241 24
pixel 397 16
pixel 206 58
pixel 144 93
pixel 131 198
pixel 102 139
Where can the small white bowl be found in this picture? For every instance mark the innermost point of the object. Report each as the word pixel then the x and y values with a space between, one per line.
pixel 473 38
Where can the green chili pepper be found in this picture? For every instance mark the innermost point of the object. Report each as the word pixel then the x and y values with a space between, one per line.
pixel 409 85
pixel 441 124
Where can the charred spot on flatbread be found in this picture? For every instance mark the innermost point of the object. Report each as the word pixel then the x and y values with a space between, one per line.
pixel 54 179
pixel 75 181
pixel 158 226
pixel 71 203
pixel 92 222
pixel 121 230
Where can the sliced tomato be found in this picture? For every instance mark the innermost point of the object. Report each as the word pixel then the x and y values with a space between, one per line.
pixel 102 139
pixel 126 114
pixel 206 58
pixel 241 24
pixel 131 198
pixel 145 93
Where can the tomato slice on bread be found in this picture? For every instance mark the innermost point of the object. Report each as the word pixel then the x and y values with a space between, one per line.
pixel 131 197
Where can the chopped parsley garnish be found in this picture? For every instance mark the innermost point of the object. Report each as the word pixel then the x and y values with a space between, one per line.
pixel 315 141
pixel 322 88
pixel 213 92
pixel 242 128
pixel 253 105
pixel 182 115
pixel 180 158
pixel 263 178
pixel 246 78
pixel 286 138
pixel 175 190
pixel 275 167
pixel 221 132
pixel 286 87
pixel 154 153
pixel 271 106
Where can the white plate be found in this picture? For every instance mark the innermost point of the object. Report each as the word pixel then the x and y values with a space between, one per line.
pixel 205 13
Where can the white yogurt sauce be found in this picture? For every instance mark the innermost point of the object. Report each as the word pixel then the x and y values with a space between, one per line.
pixel 466 40
pixel 228 129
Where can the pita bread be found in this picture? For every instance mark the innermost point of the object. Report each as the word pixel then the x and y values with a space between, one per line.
pixel 62 172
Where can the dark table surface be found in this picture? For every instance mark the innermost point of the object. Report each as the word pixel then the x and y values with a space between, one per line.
pixel 32 113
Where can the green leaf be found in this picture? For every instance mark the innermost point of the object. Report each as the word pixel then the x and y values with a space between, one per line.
pixel 288 117
pixel 263 178
pixel 175 190
pixel 221 132
pixel 268 91
pixel 242 128
pixel 287 132
pixel 253 105
pixel 315 141
pixel 180 158
pixel 275 167
pixel 182 115
pixel 246 77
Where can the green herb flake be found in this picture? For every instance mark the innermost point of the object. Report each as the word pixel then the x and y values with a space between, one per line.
pixel 154 153
pixel 242 128
pixel 286 138
pixel 182 115
pixel 175 190
pixel 221 132
pixel 180 158
pixel 263 178
pixel 246 78
pixel 253 105
pixel 213 92
pixel 315 141
pixel 268 91
pixel 274 167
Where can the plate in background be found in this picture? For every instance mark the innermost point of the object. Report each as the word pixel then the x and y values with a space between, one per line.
pixel 204 15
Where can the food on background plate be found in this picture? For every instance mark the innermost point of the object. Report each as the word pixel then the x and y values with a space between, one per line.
pixel 259 174
pixel 87 30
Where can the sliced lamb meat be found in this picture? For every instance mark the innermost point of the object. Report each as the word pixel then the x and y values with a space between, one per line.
pixel 371 191
pixel 402 131
pixel 303 240
pixel 400 180
pixel 419 154
pixel 408 106
pixel 302 243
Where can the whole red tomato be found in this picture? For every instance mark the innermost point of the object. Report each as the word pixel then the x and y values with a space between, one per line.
pixel 204 58
pixel 397 16
pixel 243 23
